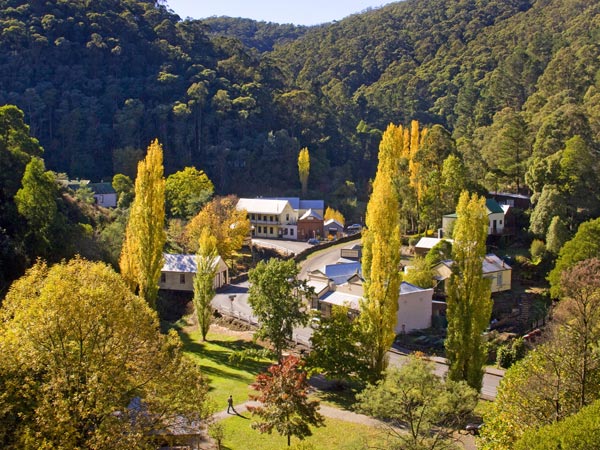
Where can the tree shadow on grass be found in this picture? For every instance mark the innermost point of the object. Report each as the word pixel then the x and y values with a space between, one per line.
pixel 221 356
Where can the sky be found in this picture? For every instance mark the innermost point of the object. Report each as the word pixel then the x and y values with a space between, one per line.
pixel 303 12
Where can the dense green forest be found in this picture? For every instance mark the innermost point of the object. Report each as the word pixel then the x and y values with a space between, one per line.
pixel 98 80
pixel 510 80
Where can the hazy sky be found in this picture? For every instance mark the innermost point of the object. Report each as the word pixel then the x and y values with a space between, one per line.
pixel 302 12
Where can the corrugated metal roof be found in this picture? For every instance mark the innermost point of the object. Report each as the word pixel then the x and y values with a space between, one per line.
pixel 493 206
pixel 182 263
pixel 333 221
pixel 312 204
pixel 491 263
pixel 102 188
pixel 340 273
pixel 262 205
pixel 342 299
pixel 429 242
pixel 311 213
pixel 318 286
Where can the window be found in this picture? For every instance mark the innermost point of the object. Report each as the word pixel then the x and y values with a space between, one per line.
pixel 287 217
pixel 182 278
pixel 499 279
pixel 500 222
pixel 265 218
pixel 291 231
pixel 260 229
pixel 271 230
pixel 251 216
pixel 163 277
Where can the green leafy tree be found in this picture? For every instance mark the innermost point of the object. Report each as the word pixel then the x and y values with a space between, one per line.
pixel 557 235
pixel 416 399
pixel 550 203
pixel 141 257
pixel 439 252
pixel 286 408
pixel 538 390
pixel 584 245
pixel 276 297
pixel 187 191
pixel 455 179
pixel 581 431
pixel 335 347
pixel 204 289
pixel 84 364
pixel 506 149
pixel 381 254
pixel 304 168
pixel 419 273
pixel 36 202
pixel 469 303
pixel 123 186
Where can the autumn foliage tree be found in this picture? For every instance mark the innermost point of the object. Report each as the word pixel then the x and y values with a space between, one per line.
pixel 228 225
pixel 84 364
pixel 204 289
pixel 381 254
pixel 334 214
pixel 304 168
pixel 469 302
pixel 286 408
pixel 141 257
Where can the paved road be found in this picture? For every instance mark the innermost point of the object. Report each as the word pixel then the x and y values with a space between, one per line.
pixel 323 258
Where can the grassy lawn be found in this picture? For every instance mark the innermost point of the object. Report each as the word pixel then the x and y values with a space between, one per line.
pixel 335 435
pixel 225 378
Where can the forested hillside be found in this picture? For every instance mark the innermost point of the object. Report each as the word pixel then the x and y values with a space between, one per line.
pixel 98 80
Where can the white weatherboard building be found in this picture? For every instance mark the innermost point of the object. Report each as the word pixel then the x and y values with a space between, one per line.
pixel 278 217
pixel 178 272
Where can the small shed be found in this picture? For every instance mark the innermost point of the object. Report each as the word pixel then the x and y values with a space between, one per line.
pixel 333 228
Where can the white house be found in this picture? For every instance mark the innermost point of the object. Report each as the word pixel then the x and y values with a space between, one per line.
pixel 270 218
pixel 495 217
pixel 494 269
pixel 345 288
pixel 178 272
pixel 104 194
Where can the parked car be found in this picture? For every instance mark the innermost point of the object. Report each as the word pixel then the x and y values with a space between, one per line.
pixel 354 228
pixel 313 241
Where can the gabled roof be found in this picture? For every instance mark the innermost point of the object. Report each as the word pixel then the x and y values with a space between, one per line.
pixel 342 299
pixel 297 204
pixel 102 188
pixel 493 206
pixel 262 205
pixel 183 263
pixel 429 242
pixel 333 221
pixel 318 286
pixel 311 213
pixel 341 273
pixel 407 288
pixel 490 264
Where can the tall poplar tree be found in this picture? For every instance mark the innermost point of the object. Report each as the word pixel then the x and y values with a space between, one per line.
pixel 304 168
pixel 381 253
pixel 469 302
pixel 141 257
pixel 204 289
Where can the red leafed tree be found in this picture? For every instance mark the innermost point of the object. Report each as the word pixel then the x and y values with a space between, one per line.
pixel 283 392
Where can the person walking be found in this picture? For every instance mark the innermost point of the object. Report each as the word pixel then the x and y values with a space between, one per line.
pixel 230 404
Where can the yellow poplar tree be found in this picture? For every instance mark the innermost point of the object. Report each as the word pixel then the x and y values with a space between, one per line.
pixel 141 257
pixel 381 254
pixel 304 168
pixel 334 214
pixel 204 289
pixel 469 302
